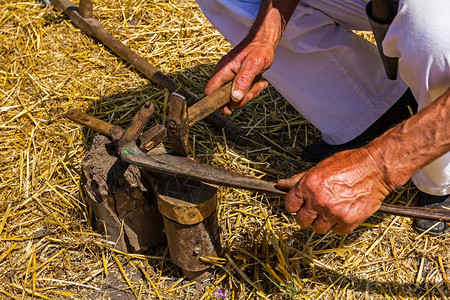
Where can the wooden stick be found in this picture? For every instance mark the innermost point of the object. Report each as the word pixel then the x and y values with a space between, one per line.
pixel 94 28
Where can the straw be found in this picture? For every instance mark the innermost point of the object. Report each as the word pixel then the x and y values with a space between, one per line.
pixel 48 248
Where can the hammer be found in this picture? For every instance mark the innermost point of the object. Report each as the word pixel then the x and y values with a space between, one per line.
pixel 180 118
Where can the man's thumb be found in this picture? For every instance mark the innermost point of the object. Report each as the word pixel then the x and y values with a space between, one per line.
pixel 287 184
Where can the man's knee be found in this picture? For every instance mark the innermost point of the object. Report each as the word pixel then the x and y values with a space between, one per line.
pixel 418 36
pixel 419 30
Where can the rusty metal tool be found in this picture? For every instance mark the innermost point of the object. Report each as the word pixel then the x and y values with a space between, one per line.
pixel 180 118
pixel 188 168
pixel 82 17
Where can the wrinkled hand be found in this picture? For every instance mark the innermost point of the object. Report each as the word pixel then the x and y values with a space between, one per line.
pixel 338 194
pixel 242 65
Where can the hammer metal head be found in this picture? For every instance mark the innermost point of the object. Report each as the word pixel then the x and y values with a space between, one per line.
pixel 178 124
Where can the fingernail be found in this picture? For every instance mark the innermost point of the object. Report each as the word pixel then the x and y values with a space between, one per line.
pixel 237 94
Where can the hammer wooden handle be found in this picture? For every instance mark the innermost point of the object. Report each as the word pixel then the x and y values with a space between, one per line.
pixel 89 121
pixel 209 104
pixel 147 140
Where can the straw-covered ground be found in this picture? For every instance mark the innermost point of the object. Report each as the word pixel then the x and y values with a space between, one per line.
pixel 48 248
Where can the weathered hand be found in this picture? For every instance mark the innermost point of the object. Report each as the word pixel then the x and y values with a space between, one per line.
pixel 242 64
pixel 338 194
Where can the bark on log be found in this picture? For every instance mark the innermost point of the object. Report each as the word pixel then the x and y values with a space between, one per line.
pixel 123 203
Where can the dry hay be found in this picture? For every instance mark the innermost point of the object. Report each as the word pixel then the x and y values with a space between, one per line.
pixel 47 247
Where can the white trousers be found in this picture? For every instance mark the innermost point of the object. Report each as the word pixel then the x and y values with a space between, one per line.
pixel 335 78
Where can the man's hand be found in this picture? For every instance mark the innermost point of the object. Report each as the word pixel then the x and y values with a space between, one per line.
pixel 338 194
pixel 253 55
pixel 347 188
pixel 242 65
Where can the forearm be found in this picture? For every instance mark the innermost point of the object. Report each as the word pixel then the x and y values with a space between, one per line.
pixel 271 21
pixel 408 147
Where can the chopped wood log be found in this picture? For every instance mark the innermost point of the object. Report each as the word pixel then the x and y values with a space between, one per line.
pixel 190 222
pixel 122 200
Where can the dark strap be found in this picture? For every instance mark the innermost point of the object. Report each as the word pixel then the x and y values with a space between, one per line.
pixel 384 11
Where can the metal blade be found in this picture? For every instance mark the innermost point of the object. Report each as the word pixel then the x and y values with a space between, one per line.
pixel 188 168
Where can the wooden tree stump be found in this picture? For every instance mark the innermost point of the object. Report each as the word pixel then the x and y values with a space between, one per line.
pixel 190 222
pixel 124 206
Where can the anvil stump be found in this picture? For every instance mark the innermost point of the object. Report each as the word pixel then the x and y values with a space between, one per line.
pixel 131 205
pixel 190 222
pixel 122 199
